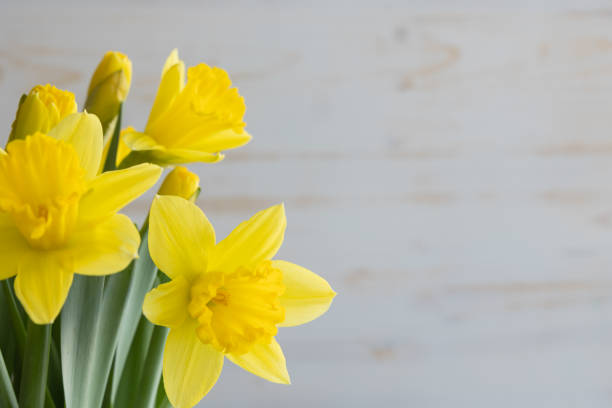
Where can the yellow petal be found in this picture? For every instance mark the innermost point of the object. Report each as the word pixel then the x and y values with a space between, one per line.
pixel 104 248
pixel 140 141
pixel 266 361
pixel 172 60
pixel 190 368
pixel 13 247
pixel 42 286
pixel 111 191
pixel 172 81
pixel 180 237
pixel 166 305
pixel 182 156
pixel 154 152
pixel 307 295
pixel 252 241
pixel 224 140
pixel 84 132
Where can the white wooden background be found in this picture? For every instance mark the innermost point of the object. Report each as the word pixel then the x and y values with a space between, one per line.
pixel 447 166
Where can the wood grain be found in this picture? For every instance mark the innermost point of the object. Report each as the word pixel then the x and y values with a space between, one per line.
pixel 447 167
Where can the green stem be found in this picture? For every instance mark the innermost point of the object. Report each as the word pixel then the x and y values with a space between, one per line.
pixel 111 158
pixel 35 366
pixel 7 394
pixel 153 367
pixel 80 338
pixel 55 385
pixel 133 158
pixel 18 326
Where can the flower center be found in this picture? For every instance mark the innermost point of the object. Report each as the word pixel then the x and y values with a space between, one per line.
pixel 41 183
pixel 238 310
pixel 62 102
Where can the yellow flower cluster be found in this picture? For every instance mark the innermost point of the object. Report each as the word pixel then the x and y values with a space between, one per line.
pixel 59 217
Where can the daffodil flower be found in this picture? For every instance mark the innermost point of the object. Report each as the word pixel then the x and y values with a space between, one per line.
pixel 190 122
pixel 58 218
pixel 224 299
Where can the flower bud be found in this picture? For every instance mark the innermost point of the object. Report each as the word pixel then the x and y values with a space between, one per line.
pixel 181 182
pixel 41 110
pixel 109 86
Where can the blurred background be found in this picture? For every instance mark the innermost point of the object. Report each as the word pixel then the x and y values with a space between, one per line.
pixel 446 166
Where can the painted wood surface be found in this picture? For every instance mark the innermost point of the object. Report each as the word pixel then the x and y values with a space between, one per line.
pixel 447 166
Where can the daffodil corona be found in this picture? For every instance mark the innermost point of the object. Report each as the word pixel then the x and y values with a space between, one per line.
pixel 226 298
pixel 192 121
pixel 57 217
pixel 41 110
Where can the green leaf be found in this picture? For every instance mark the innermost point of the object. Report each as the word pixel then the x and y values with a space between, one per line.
pixel 153 368
pixel 91 371
pixel 162 399
pixel 49 399
pixel 7 394
pixel 127 393
pixel 141 281
pixel 14 316
pixel 79 338
pixel 35 366
pixel 109 310
pixel 8 342
pixel 17 331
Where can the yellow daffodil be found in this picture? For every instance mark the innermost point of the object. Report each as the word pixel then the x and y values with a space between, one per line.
pixel 41 110
pixel 224 299
pixel 109 86
pixel 58 218
pixel 190 121
pixel 180 182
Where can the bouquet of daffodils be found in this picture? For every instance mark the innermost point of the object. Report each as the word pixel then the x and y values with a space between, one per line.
pixel 95 312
